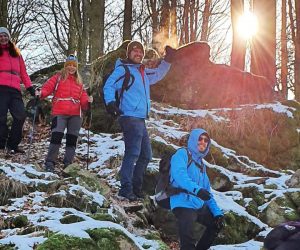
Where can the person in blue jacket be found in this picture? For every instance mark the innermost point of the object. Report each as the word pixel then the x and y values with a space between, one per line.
pixel 133 109
pixel 197 204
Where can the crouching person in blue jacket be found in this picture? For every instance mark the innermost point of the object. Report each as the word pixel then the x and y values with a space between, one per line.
pixel 197 204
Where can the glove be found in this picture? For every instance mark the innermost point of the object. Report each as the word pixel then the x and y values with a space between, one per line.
pixel 113 109
pixel 31 91
pixel 203 194
pixel 219 222
pixel 170 54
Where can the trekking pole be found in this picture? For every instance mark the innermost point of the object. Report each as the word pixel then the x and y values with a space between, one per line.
pixel 89 118
pixel 31 134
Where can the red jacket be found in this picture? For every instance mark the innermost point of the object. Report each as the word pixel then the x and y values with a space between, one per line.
pixel 13 71
pixel 68 98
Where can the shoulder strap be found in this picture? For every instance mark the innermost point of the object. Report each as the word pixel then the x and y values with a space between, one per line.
pixel 57 83
pixel 190 159
pixel 125 86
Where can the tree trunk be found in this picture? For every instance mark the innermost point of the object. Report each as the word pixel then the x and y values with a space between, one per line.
pixel 3 13
pixel 127 20
pixel 238 50
pixel 297 52
pixel 263 51
pixel 186 31
pixel 152 9
pixel 192 21
pixel 284 55
pixel 85 31
pixel 73 35
pixel 173 23
pixel 97 12
pixel 205 20
pixel 293 29
pixel 165 21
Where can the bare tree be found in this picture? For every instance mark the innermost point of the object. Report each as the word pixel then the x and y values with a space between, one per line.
pixel 205 20
pixel 263 50
pixel 238 50
pixel 284 53
pixel 97 12
pixel 3 13
pixel 127 20
pixel 297 52
pixel 173 23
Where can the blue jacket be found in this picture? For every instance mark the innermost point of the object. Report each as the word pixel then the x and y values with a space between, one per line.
pixel 136 101
pixel 191 178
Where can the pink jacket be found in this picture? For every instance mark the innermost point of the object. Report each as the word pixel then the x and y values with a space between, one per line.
pixel 13 71
pixel 69 96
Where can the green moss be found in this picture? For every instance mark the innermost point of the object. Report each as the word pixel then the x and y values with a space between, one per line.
pixel 252 208
pixel 64 242
pixel 108 239
pixel 270 186
pixel 69 219
pixel 217 157
pixel 102 217
pixel 159 148
pixel 254 193
pixel 233 233
pixel 7 247
pixel 20 221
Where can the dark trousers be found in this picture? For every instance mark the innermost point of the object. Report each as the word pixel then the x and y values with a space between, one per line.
pixel 186 218
pixel 138 153
pixel 59 124
pixel 11 101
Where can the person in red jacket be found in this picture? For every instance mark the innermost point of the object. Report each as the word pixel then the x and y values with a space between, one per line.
pixel 12 73
pixel 69 99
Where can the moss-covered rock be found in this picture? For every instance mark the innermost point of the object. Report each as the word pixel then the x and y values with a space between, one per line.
pixel 159 149
pixel 65 242
pixel 237 229
pixel 108 239
pixel 280 210
pixel 69 219
pixel 7 247
pixel 10 188
pixel 218 180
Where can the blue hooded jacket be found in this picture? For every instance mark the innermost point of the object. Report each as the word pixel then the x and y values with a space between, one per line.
pixel 136 101
pixel 191 178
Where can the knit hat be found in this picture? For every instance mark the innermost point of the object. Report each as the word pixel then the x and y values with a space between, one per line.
pixel 71 60
pixel 134 45
pixel 5 30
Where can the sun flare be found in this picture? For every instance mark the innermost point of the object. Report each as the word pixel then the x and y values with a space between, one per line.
pixel 247 25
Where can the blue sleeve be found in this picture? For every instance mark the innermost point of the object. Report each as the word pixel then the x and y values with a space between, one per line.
pixel 155 75
pixel 113 83
pixel 211 203
pixel 179 172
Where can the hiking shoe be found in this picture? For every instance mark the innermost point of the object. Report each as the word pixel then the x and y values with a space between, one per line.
pixel 140 194
pixel 16 150
pixel 49 167
pixel 130 196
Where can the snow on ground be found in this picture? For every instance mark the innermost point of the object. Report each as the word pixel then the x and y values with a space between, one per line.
pixel 106 146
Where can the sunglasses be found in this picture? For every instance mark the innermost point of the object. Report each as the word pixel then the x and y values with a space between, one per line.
pixel 205 139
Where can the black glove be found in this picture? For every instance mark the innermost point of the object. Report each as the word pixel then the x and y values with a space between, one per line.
pixel 170 54
pixel 203 194
pixel 219 222
pixel 113 109
pixel 31 91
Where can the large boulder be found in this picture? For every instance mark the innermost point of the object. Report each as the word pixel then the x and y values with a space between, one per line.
pixel 195 82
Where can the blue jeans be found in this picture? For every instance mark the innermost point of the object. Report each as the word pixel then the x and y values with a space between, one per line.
pixel 138 154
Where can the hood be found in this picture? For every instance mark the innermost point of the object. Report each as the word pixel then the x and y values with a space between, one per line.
pixel 193 144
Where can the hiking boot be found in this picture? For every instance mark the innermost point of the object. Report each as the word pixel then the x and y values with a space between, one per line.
pixel 140 194
pixel 130 196
pixel 16 150
pixel 49 167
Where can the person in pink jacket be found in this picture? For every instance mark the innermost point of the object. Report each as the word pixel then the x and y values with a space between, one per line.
pixel 69 98
pixel 12 74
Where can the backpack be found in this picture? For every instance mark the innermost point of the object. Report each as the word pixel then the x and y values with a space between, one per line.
pixel 125 86
pixel 283 235
pixel 164 189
